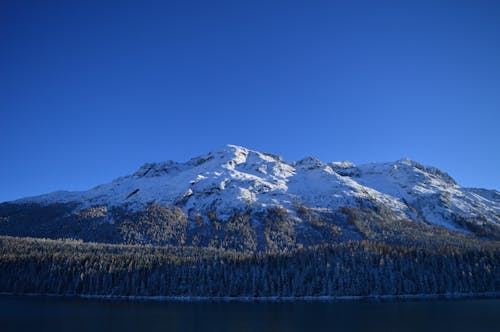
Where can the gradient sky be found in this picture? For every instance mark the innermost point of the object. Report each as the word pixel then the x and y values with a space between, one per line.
pixel 90 90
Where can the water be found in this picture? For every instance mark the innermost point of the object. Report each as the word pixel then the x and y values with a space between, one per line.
pixel 63 314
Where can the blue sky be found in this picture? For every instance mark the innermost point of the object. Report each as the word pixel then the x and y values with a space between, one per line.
pixel 90 90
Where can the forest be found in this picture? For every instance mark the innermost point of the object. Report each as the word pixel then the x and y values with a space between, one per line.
pixel 350 268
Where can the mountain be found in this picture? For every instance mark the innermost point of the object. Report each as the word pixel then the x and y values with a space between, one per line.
pixel 237 222
pixel 246 200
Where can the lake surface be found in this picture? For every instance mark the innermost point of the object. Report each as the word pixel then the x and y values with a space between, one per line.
pixel 66 314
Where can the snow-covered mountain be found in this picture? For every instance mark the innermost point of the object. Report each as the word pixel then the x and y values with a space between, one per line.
pixel 235 178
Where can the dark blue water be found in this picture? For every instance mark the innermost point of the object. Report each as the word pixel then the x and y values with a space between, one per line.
pixel 58 314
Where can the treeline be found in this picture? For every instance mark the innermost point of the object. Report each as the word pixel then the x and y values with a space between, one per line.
pixel 251 230
pixel 355 268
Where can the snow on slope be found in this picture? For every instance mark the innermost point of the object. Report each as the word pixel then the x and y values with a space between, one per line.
pixel 234 177
pixel 434 193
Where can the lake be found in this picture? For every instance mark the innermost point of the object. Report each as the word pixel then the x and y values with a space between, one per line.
pixel 69 314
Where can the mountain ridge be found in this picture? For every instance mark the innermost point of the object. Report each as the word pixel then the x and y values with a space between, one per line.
pixel 312 201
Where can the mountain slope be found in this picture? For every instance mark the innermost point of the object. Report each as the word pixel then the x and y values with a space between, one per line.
pixel 303 203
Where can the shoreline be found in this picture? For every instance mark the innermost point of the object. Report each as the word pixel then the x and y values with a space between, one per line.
pixel 345 298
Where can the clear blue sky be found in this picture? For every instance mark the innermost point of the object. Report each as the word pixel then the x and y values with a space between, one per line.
pixel 90 90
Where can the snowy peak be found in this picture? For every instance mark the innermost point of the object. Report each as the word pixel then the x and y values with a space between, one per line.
pixel 406 175
pixel 158 169
pixel 429 170
pixel 227 156
pixel 232 178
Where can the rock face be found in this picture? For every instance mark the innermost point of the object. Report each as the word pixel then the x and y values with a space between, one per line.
pixel 238 198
